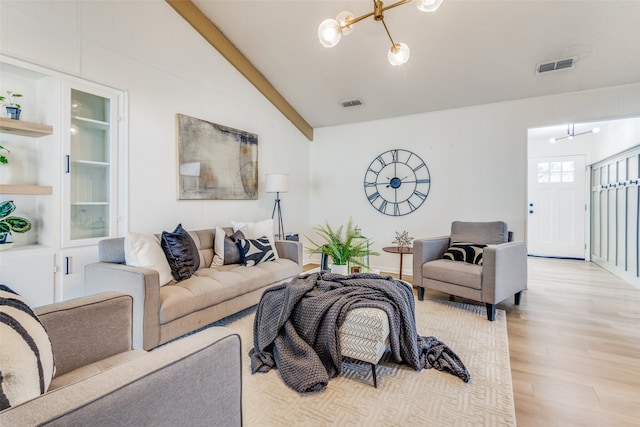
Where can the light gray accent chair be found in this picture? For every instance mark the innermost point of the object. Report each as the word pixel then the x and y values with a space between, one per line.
pixel 502 274
pixel 101 381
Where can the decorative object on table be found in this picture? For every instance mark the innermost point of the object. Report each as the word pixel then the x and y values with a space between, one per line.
pixel 13 108
pixel 3 158
pixel 277 183
pixel 403 240
pixel 215 162
pixel 9 224
pixel 331 31
pixel 397 182
pixel 342 250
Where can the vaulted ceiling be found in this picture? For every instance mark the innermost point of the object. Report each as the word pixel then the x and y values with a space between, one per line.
pixel 469 52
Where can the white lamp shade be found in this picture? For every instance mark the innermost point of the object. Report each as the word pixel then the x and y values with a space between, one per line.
pixel 428 5
pixel 329 32
pixel 398 54
pixel 276 183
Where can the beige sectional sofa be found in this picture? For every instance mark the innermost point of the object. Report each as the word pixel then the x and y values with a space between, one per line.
pixel 101 381
pixel 162 313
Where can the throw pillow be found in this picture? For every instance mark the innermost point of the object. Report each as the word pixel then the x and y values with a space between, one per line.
pixel 255 251
pixel 181 252
pixel 225 250
pixel 255 230
pixel 144 250
pixel 466 252
pixel 26 358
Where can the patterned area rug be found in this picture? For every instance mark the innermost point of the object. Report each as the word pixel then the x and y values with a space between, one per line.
pixel 403 397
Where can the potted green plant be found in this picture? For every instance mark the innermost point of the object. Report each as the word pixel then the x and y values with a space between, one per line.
pixel 9 224
pixel 13 108
pixel 3 158
pixel 350 248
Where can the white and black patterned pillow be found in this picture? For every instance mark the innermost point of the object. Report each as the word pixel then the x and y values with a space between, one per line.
pixel 26 357
pixel 255 251
pixel 466 252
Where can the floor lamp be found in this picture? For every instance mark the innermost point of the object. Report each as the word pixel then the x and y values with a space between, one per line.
pixel 277 183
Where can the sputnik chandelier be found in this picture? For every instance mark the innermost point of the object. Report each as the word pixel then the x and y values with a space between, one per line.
pixel 571 133
pixel 331 31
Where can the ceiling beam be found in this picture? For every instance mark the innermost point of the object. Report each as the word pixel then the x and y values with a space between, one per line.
pixel 218 40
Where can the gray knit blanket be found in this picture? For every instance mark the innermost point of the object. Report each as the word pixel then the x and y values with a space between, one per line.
pixel 296 328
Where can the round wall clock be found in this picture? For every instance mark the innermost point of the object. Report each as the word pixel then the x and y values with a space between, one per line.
pixel 397 182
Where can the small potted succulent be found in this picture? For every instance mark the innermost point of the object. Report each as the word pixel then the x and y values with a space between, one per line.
pixel 13 108
pixel 9 224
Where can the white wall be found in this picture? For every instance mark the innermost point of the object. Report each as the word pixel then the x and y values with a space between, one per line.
pixel 146 48
pixel 477 157
pixel 624 134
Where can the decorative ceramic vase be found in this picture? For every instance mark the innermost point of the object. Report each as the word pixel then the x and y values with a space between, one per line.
pixel 340 269
pixel 13 113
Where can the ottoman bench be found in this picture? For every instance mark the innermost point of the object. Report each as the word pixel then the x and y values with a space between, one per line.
pixel 364 335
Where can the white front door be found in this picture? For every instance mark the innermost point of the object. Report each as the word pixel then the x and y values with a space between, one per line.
pixel 556 207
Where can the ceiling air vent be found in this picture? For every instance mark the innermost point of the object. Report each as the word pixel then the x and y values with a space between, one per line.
pixel 561 64
pixel 352 103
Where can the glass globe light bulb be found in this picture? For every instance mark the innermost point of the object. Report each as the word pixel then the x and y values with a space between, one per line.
pixel 398 54
pixel 329 32
pixel 342 21
pixel 428 5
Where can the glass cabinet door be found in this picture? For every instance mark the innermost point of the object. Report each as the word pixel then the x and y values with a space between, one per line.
pixel 90 183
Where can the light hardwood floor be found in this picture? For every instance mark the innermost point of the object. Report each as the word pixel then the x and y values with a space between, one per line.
pixel 575 347
pixel 574 343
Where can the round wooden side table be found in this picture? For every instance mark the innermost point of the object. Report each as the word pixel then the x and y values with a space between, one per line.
pixel 399 250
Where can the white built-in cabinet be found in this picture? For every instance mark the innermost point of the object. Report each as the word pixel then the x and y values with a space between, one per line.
pixel 65 174
pixel 615 210
pixel 92 116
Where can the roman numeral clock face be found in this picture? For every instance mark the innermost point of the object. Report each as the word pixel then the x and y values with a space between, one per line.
pixel 397 182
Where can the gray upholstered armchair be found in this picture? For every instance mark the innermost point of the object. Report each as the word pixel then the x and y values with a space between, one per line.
pixel 502 272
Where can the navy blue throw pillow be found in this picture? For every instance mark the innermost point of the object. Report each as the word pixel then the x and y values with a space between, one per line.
pixel 181 252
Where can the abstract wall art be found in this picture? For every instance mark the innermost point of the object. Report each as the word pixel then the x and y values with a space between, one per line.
pixel 215 162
